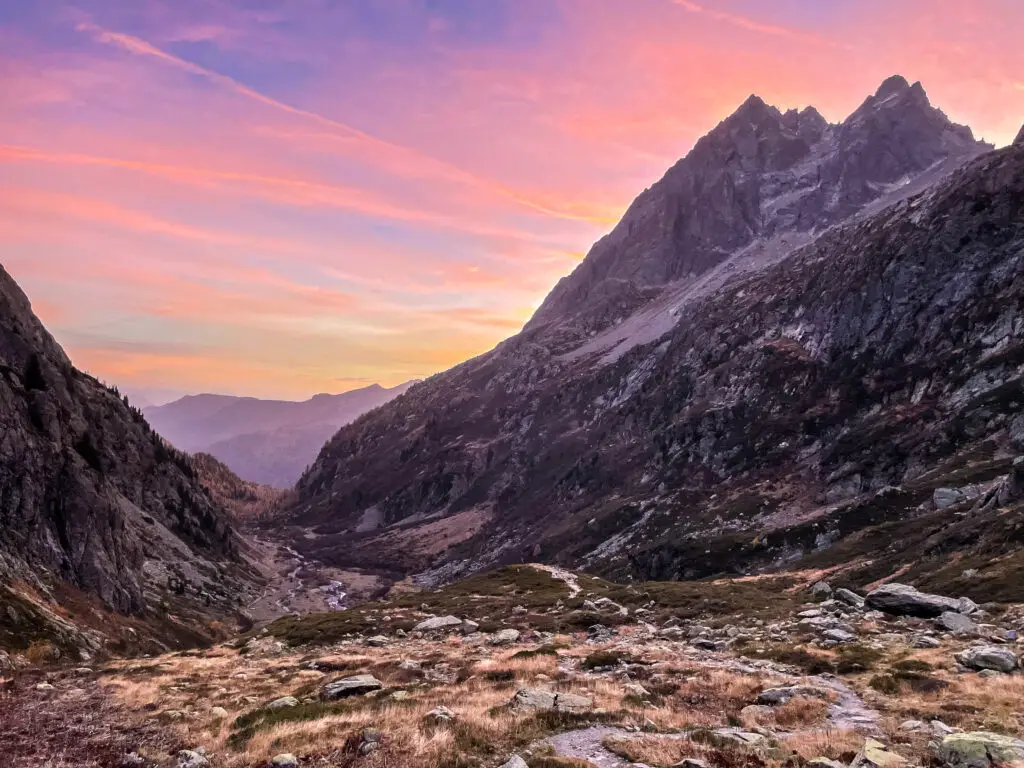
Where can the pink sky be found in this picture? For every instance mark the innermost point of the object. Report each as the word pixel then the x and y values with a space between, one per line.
pixel 312 196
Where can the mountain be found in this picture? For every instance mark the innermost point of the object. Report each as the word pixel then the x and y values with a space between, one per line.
pixel 106 534
pixel 270 442
pixel 799 333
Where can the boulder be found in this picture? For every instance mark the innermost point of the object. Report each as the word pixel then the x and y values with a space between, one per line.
pixel 284 760
pixel 957 623
pixel 505 637
pixel 849 597
pixel 839 635
pixel 979 749
pixel 943 498
pixel 550 701
pixel 440 716
pixel 515 762
pixel 821 590
pixel 193 758
pixel 874 754
pixel 991 657
pixel 905 600
pixel 438 623
pixel 357 685
pixel 283 703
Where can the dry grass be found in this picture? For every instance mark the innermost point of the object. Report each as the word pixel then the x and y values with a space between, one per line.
pixel 834 744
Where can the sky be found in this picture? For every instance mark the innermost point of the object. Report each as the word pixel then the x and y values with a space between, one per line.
pixel 284 197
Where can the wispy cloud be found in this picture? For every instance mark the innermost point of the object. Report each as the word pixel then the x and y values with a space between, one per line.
pixel 397 158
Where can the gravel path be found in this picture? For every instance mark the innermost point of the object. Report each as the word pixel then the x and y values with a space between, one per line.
pixel 586 745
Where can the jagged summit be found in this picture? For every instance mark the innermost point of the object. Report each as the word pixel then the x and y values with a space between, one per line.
pixel 754 177
pixel 1020 136
pixel 892 85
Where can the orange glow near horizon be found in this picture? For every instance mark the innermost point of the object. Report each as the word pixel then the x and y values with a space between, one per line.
pixel 205 197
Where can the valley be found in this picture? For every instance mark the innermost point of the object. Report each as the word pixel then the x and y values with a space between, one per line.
pixel 746 490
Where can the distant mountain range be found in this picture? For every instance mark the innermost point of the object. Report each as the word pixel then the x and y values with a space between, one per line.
pixel 264 441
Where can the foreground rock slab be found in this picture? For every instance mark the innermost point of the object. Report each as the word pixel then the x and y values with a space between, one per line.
pixel 988 657
pixel 979 749
pixel 905 600
pixel 350 686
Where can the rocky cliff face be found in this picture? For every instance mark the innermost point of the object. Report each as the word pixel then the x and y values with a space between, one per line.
pixel 764 414
pixel 94 507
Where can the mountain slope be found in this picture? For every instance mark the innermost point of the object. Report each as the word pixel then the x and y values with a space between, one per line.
pixel 270 442
pixel 863 356
pixel 94 508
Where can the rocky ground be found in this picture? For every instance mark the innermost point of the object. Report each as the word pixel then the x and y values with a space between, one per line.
pixel 541 668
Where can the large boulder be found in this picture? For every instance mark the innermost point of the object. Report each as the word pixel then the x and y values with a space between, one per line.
pixel 979 749
pixel 438 623
pixel 988 657
pixel 550 701
pixel 356 685
pixel 905 600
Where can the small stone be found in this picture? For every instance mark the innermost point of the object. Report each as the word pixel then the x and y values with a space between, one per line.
pixel 193 758
pixel 821 590
pixel 505 637
pixel 44 687
pixel 438 623
pixel 849 597
pixel 874 754
pixel 399 696
pixel 515 762
pixel 377 641
pixel 823 762
pixel 839 635
pixel 690 762
pixel 285 760
pixel 219 712
pixel 440 716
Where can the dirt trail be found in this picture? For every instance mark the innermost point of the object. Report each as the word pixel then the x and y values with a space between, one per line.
pixel 562 575
pixel 848 712
pixel 585 744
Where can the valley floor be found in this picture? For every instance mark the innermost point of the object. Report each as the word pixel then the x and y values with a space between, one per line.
pixel 545 669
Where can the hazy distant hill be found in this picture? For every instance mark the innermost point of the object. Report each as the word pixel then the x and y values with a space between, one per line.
pixel 265 441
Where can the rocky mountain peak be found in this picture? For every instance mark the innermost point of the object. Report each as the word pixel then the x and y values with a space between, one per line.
pixel 1020 136
pixel 892 85
pixel 756 176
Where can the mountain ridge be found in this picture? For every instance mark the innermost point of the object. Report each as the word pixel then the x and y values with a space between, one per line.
pixel 270 442
pixel 106 535
pixel 537 450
